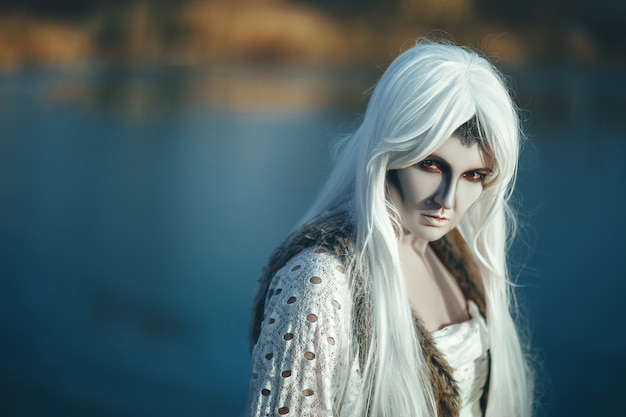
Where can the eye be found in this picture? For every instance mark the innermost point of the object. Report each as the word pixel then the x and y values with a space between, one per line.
pixel 475 176
pixel 430 165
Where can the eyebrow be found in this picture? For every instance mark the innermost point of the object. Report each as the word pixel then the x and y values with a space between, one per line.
pixel 482 170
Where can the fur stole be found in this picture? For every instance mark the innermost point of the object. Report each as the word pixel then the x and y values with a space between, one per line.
pixel 336 232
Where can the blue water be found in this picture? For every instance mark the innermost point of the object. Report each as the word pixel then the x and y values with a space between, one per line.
pixel 135 219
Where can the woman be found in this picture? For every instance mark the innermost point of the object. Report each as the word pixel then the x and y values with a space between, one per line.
pixel 392 296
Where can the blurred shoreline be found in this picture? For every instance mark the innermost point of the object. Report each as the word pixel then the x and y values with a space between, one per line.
pixel 244 32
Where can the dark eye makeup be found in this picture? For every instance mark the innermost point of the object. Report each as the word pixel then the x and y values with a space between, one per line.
pixel 475 176
pixel 431 165
pixel 439 166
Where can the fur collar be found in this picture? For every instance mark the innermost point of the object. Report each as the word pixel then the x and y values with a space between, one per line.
pixel 336 232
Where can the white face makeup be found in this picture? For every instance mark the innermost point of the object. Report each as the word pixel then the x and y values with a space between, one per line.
pixel 433 195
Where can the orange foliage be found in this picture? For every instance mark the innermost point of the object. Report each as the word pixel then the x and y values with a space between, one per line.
pixel 446 10
pixel 27 40
pixel 244 31
pixel 266 31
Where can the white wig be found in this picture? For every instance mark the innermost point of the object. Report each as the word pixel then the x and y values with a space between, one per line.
pixel 428 92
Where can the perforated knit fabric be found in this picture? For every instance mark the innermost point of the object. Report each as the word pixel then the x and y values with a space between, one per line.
pixel 296 357
pixel 465 347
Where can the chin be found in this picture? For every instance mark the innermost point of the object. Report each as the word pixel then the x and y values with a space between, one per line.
pixel 431 234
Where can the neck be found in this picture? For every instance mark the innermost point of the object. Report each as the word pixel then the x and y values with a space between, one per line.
pixel 409 241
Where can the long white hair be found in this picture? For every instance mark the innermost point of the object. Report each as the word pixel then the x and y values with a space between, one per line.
pixel 422 98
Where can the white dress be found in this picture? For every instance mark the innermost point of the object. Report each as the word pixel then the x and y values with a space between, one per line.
pixel 465 347
pixel 298 353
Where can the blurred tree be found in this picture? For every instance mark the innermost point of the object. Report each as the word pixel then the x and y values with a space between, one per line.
pixel 72 8
pixel 55 8
pixel 188 30
pixel 344 6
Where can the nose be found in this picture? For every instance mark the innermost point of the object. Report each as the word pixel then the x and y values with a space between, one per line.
pixel 446 194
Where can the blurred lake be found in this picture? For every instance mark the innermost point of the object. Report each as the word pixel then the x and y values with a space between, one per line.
pixel 139 204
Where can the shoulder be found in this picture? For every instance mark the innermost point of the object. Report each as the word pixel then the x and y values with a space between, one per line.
pixel 315 250
pixel 309 298
pixel 313 275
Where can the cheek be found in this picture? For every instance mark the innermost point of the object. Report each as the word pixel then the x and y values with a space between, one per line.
pixel 418 185
pixel 467 195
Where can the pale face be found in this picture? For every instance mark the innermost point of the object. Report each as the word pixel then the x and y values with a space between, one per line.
pixel 433 195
